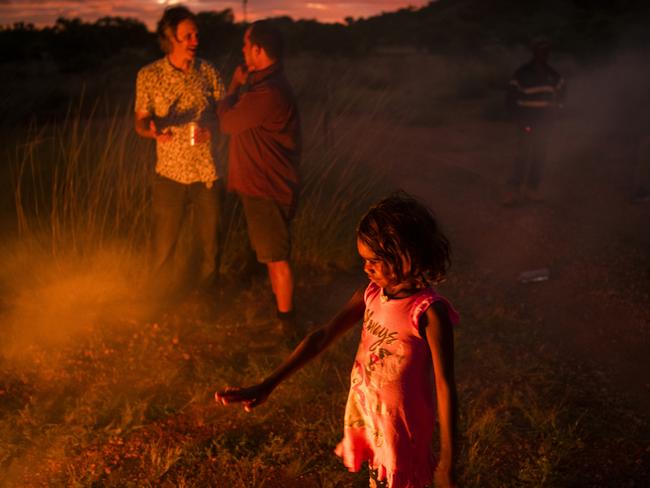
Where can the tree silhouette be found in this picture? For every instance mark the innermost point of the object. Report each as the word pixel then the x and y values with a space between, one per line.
pixel 586 28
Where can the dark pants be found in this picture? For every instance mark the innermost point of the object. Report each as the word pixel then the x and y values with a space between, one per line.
pixel 531 156
pixel 642 169
pixel 172 202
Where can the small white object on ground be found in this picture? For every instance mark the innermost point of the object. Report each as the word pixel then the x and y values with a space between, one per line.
pixel 534 275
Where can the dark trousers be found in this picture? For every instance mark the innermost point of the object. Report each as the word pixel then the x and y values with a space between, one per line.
pixel 642 168
pixel 172 204
pixel 531 156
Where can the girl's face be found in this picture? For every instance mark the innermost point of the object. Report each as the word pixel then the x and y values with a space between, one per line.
pixel 378 271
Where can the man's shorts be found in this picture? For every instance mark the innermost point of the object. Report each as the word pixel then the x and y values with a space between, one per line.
pixel 268 228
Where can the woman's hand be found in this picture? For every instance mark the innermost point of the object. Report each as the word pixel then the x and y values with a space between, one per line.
pixel 250 397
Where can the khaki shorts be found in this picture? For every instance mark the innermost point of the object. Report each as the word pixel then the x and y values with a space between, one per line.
pixel 268 228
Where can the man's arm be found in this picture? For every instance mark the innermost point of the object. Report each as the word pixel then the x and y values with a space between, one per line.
pixel 512 93
pixel 145 127
pixel 560 92
pixel 243 110
pixel 239 79
pixel 238 113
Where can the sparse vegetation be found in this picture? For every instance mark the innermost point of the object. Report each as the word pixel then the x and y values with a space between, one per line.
pixel 130 403
pixel 101 384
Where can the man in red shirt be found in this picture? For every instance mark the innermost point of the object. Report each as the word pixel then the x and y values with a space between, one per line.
pixel 261 116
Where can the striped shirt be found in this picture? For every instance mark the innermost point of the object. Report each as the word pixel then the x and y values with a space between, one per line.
pixel 534 90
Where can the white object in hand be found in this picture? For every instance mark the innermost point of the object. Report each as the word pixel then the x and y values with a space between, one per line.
pixel 193 126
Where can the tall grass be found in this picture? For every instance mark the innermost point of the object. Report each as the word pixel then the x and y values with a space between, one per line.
pixel 82 184
pixel 128 400
pixel 79 353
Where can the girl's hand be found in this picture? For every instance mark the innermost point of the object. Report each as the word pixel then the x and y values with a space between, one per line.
pixel 444 477
pixel 251 397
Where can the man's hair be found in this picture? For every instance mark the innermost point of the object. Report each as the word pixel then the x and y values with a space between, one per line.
pixel 267 36
pixel 540 43
pixel 168 24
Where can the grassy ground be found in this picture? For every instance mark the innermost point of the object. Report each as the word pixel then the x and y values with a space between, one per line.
pixel 129 403
pixel 106 382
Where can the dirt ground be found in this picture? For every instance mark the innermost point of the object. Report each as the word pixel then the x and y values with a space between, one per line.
pixel 593 311
pixel 595 308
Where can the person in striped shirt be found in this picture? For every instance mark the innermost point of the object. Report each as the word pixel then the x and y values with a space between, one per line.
pixel 535 94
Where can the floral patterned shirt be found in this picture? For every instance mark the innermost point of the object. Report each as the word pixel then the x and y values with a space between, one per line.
pixel 175 99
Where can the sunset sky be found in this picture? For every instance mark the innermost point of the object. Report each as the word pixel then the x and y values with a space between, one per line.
pixel 45 12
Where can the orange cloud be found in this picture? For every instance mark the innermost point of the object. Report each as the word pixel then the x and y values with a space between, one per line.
pixel 45 12
pixel 317 6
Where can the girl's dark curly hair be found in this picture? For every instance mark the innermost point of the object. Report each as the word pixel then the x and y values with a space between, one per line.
pixel 404 233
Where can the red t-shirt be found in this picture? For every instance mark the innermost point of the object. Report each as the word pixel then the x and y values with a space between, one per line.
pixel 263 122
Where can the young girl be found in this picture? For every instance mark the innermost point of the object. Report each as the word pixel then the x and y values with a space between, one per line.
pixel 407 335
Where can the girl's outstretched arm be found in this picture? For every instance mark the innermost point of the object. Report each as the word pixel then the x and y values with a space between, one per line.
pixel 308 349
pixel 440 338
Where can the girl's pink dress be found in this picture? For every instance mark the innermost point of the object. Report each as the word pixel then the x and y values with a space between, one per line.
pixel 390 414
